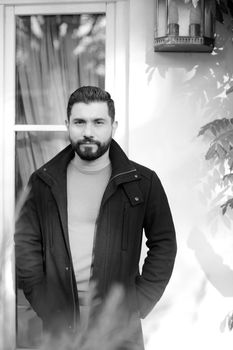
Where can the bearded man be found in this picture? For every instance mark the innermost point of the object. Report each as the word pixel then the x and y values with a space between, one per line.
pixel 83 221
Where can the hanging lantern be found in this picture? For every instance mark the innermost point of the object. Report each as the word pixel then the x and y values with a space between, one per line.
pixel 184 25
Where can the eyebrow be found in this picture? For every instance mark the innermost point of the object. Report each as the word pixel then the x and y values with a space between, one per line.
pixel 84 119
pixel 78 118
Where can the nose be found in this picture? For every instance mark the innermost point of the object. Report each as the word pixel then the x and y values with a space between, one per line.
pixel 87 131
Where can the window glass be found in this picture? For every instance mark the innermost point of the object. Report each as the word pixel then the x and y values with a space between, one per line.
pixel 54 56
pixel 33 149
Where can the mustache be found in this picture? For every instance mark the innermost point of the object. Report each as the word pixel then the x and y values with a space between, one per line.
pixel 88 141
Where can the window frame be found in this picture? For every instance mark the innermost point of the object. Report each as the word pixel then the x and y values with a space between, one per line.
pixel 116 82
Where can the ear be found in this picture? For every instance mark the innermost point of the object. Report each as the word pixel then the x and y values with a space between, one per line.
pixel 114 127
pixel 67 124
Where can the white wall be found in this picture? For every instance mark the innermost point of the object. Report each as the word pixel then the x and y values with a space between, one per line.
pixel 171 95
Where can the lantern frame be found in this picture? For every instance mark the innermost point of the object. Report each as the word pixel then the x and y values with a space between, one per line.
pixel 197 39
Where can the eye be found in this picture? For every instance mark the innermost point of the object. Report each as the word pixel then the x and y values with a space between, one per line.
pixel 78 122
pixel 99 122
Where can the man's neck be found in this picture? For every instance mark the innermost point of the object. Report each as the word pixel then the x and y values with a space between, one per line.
pixel 92 165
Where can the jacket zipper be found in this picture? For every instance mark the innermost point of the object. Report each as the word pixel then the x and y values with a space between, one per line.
pixel 126 172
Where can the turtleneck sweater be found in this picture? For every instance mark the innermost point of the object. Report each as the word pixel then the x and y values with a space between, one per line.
pixel 86 183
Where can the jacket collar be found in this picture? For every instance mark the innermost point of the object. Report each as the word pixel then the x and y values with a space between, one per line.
pixel 123 170
pixel 54 173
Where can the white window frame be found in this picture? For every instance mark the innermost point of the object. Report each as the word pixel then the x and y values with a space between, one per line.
pixel 116 82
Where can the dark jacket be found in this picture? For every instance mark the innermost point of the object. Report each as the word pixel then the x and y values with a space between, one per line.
pixel 134 200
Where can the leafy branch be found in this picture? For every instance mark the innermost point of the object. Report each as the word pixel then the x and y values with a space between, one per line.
pixel 221 150
pixel 220 130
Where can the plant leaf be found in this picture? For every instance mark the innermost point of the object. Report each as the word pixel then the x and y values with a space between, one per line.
pixel 228 178
pixel 225 136
pixel 220 151
pixel 226 205
pixel 230 163
pixel 229 90
pixel 208 127
pixel 211 153
pixel 216 126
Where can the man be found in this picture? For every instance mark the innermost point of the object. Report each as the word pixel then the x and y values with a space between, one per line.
pixel 83 221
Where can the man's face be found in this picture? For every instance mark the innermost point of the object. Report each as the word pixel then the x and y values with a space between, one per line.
pixel 90 129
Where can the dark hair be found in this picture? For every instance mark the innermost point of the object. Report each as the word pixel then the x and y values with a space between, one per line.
pixel 87 94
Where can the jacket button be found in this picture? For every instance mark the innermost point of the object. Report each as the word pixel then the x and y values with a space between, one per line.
pixel 136 199
pixel 136 176
pixel 44 169
pixel 67 268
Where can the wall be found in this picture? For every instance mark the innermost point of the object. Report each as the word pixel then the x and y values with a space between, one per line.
pixel 171 95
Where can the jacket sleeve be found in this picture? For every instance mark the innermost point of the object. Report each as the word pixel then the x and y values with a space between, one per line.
pixel 161 242
pixel 29 253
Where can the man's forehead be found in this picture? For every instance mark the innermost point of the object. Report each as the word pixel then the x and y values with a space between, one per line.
pixel 91 109
pixel 89 105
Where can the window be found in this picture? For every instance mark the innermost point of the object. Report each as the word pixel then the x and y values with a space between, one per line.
pixel 55 54
pixel 46 52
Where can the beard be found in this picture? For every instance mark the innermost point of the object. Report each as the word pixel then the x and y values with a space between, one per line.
pixel 89 150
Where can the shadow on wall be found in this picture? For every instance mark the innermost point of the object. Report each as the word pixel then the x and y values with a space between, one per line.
pixel 217 273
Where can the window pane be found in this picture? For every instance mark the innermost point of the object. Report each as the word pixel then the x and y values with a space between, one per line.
pixel 54 56
pixel 33 149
